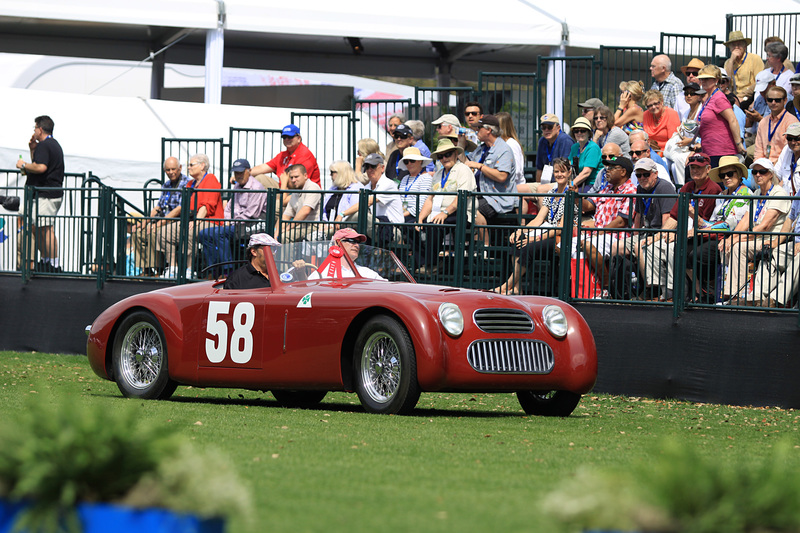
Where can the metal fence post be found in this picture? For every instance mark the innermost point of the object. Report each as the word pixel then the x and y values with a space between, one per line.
pixel 679 257
pixel 565 254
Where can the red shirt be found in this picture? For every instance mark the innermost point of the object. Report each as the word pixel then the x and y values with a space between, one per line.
pixel 301 155
pixel 705 207
pixel 211 200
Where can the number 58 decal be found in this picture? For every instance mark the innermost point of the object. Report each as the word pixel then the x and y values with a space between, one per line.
pixel 241 340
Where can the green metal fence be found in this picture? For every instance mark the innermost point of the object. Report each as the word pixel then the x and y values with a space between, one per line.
pixel 681 48
pixel 617 64
pixel 514 93
pixel 184 149
pixel 329 137
pixel 578 84
pixel 760 26
pixel 370 118
pixel 256 145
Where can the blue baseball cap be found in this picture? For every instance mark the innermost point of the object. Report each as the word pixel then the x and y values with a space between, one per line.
pixel 290 131
pixel 240 165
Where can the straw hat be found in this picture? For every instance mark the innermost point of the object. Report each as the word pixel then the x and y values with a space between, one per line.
pixel 727 161
pixel 738 36
pixel 445 145
pixel 412 153
pixel 694 63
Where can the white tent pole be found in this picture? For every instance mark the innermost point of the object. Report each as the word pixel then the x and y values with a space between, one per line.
pixel 215 48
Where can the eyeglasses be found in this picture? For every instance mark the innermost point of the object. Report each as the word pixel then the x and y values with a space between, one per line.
pixel 760 171
pixel 548 127
pixel 606 157
pixel 190 165
pixel 640 152
pixel 729 174
pixel 654 104
pixel 689 93
pixel 792 138
pixel 350 241
pixel 471 113
pixel 409 161
pixel 698 159
pixel 692 72
pixel 449 153
pixel 367 166
pixel 399 136
pixel 643 174
pixel 600 118
pixel 580 130
pixel 773 100
pixel 284 137
pixel 333 172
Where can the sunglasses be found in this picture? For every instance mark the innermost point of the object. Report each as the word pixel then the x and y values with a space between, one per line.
pixel 692 72
pixel 729 174
pixel 350 241
pixel 471 113
pixel 600 118
pixel 449 153
pixel 639 152
pixel 654 104
pixel 643 174
pixel 605 157
pixel 409 161
pixel 760 171
pixel 399 136
pixel 367 166
pixel 698 159
pixel 792 138
pixel 579 130
pixel 547 127
pixel 284 137
pixel 773 100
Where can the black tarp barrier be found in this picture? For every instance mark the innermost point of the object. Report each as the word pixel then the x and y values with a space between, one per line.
pixel 715 356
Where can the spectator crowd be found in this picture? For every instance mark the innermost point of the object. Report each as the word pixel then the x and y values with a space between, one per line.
pixel 602 194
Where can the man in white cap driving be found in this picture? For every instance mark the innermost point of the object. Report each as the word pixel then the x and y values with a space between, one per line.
pixel 254 274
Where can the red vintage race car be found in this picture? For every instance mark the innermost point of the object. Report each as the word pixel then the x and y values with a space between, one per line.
pixel 365 327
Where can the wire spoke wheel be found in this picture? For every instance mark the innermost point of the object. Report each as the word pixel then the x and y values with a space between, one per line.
pixel 380 367
pixel 385 367
pixel 139 358
pixel 141 355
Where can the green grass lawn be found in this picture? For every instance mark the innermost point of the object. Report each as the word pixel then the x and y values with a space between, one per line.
pixel 461 462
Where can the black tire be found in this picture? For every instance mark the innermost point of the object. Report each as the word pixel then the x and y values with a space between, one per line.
pixel 139 358
pixel 554 403
pixel 299 398
pixel 385 367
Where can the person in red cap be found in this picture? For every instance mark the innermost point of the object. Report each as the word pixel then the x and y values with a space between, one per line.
pixel 253 275
pixel 350 241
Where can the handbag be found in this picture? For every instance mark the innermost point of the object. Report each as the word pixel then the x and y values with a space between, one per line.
pixel 588 286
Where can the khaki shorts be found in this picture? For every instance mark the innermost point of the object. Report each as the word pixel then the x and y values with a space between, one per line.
pixel 44 209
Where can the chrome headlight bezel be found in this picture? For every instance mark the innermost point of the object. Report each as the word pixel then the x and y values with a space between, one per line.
pixel 451 318
pixel 555 320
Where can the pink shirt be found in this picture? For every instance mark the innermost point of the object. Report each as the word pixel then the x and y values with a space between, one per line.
pixel 715 136
pixel 778 128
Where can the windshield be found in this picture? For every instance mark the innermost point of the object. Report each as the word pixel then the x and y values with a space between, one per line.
pixel 299 261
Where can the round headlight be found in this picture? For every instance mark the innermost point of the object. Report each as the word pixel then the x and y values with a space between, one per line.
pixel 451 318
pixel 555 320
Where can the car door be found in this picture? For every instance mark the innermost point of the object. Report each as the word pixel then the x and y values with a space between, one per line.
pixel 234 335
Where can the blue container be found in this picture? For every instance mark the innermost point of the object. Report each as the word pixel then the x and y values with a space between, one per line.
pixel 104 517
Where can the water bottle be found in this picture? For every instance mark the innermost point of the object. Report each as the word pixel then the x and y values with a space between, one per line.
pixel 634 282
pixel 22 170
pixel 461 131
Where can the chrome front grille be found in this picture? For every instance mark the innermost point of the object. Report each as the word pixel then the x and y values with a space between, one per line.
pixel 503 321
pixel 511 356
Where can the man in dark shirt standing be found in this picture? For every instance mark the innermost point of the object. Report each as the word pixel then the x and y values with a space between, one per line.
pixel 45 170
pixel 254 274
